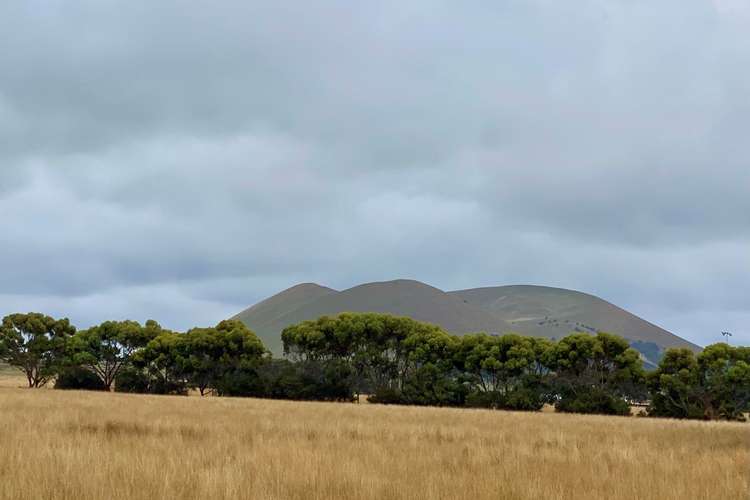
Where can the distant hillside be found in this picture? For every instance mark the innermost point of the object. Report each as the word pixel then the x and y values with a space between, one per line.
pixel 280 304
pixel 401 297
pixel 530 310
pixel 556 312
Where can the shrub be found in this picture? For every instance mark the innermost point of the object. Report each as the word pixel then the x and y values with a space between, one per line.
pixel 518 399
pixel 386 396
pixel 240 382
pixel 78 378
pixel 488 399
pixel 282 379
pixel 592 400
pixel 432 384
pixel 524 399
pixel 132 380
pixel 135 380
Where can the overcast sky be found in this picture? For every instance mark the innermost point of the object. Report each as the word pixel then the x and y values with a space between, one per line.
pixel 182 160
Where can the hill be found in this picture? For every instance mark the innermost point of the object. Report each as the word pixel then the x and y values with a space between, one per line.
pixel 280 304
pixel 556 312
pixel 401 297
pixel 525 309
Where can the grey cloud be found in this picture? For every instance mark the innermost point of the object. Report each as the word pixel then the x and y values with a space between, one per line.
pixel 182 160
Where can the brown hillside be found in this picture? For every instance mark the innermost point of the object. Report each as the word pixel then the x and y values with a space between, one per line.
pixel 401 297
pixel 555 312
pixel 530 310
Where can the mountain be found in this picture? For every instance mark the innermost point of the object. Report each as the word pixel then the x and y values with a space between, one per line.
pixel 281 303
pixel 401 298
pixel 525 309
pixel 556 312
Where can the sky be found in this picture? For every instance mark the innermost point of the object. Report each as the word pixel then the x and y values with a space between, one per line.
pixel 183 160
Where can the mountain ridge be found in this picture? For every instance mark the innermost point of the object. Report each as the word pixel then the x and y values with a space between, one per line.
pixel 525 309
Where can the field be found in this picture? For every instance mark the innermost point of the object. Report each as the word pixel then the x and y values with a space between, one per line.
pixel 76 445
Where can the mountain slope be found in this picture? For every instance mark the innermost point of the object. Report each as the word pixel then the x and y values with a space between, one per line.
pixel 556 312
pixel 267 311
pixel 401 297
pixel 525 309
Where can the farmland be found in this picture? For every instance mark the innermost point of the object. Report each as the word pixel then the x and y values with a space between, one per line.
pixel 90 445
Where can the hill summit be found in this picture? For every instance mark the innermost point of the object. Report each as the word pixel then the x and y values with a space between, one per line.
pixel 525 309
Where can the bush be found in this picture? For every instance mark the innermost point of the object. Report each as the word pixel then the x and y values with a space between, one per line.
pixel 592 401
pixel 662 406
pixel 386 396
pixel 428 385
pixel 433 385
pixel 484 399
pixel 519 399
pixel 78 378
pixel 524 399
pixel 240 382
pixel 282 379
pixel 132 380
pixel 167 387
pixel 136 380
pixel 329 381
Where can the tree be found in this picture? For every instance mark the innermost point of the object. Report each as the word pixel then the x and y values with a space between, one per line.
pixel 715 384
pixel 204 355
pixel 374 345
pixel 725 375
pixel 431 378
pixel 675 386
pixel 242 343
pixel 200 358
pixel 504 372
pixel 107 348
pixel 156 366
pixel 371 343
pixel 595 374
pixel 35 344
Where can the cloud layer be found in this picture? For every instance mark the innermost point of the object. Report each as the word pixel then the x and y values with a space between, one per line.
pixel 183 160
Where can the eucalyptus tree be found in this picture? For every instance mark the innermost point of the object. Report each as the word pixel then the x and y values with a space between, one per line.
pixel 595 374
pixel 204 355
pixel 35 344
pixel 384 352
pixel 715 384
pixel 107 348
pixel 506 371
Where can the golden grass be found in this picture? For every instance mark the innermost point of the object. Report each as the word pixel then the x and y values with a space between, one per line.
pixel 76 445
pixel 13 380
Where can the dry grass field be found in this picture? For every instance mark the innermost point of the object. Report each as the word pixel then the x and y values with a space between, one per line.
pixel 76 445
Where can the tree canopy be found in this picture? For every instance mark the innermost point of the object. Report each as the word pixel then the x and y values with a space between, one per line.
pixel 595 373
pixel 105 349
pixel 713 384
pixel 34 343
pixel 204 355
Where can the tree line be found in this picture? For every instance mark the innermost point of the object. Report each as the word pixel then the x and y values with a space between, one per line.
pixel 391 360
